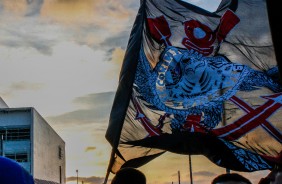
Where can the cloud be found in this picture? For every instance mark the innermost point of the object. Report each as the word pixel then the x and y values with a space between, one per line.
pixel 204 173
pixel 79 138
pixel 44 24
pixel 1 6
pixel 24 85
pixel 101 13
pixel 87 180
pixel 116 58
pixel 34 7
pixel 34 33
pixel 71 71
pixel 22 7
pixel 118 40
pixel 98 107
pixel 95 115
pixel 88 34
pixel 90 148
pixel 96 99
pixel 16 7
pixel 26 41
pixel 21 86
pixel 92 22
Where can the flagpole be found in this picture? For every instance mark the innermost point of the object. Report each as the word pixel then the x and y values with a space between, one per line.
pixel 109 166
pixel 106 177
pixel 190 169
pixel 274 14
pixel 224 124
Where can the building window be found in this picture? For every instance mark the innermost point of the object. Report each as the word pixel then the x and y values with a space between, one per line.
pixel 15 134
pixel 19 157
pixel 60 173
pixel 60 152
pixel 2 134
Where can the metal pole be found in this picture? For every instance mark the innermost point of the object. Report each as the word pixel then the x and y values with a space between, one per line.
pixel 178 177
pixel 76 176
pixel 2 145
pixel 190 169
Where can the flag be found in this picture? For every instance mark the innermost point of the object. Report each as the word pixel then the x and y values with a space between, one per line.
pixel 198 83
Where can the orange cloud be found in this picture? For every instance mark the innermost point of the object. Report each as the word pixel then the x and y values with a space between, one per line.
pixel 116 59
pixel 90 148
pixel 117 56
pixel 98 12
pixel 17 7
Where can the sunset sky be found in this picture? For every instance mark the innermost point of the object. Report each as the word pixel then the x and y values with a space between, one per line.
pixel 63 58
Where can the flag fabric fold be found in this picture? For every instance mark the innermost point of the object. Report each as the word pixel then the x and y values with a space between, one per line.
pixel 200 83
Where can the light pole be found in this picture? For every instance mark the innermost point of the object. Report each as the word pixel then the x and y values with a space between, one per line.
pixel 2 145
pixel 77 176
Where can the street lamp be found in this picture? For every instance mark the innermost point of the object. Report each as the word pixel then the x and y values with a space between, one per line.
pixel 76 176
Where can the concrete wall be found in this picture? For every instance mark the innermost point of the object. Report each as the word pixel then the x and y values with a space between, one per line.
pixel 46 143
pixel 3 103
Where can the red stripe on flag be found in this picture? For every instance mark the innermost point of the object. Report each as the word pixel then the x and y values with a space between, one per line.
pixel 251 120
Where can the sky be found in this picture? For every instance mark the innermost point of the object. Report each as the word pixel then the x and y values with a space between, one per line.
pixel 63 57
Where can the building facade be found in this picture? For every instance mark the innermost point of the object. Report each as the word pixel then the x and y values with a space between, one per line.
pixel 27 138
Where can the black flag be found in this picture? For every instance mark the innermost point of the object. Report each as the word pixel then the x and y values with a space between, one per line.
pixel 201 83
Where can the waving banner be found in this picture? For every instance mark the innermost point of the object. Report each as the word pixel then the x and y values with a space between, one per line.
pixel 200 83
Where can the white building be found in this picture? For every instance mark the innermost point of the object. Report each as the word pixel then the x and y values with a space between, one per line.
pixel 27 138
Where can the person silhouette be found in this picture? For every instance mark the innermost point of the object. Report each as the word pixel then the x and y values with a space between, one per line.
pixel 230 178
pixel 274 177
pixel 13 173
pixel 129 175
